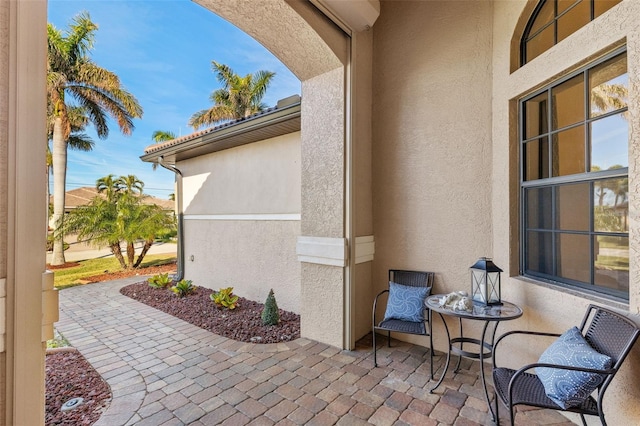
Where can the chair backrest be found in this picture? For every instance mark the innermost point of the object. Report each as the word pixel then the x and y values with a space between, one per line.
pixel 609 332
pixel 412 278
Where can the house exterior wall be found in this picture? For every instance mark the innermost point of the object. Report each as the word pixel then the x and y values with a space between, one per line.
pixel 548 307
pixel 445 158
pixel 242 219
pixel 432 141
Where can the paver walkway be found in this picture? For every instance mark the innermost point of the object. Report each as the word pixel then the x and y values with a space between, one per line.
pixel 164 371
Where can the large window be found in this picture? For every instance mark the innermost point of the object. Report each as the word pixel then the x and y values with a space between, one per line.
pixel 574 179
pixel 554 20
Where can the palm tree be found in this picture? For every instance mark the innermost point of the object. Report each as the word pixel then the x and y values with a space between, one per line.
pixel 160 136
pixel 72 76
pixel 78 140
pixel 238 97
pixel 119 216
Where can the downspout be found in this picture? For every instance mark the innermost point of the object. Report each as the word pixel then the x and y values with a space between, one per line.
pixel 180 272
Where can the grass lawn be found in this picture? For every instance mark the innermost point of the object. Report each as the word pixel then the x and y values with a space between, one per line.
pixel 69 277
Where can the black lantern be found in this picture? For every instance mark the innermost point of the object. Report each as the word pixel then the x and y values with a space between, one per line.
pixel 485 282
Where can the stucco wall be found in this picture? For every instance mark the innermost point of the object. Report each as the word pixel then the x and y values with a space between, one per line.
pixel 250 256
pixel 323 292
pixel 445 159
pixel 242 219
pixel 547 307
pixel 361 184
pixel 432 140
pixel 258 178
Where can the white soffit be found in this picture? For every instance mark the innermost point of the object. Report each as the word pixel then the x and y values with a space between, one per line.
pixel 357 15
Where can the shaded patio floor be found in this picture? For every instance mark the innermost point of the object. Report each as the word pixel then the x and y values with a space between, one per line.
pixel 164 371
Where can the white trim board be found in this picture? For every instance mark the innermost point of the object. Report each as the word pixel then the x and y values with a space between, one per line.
pixel 259 216
pixel 322 250
pixel 365 249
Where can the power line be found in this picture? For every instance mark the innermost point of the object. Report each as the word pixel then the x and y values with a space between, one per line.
pixel 93 185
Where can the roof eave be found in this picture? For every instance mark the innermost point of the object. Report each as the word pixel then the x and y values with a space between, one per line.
pixel 279 122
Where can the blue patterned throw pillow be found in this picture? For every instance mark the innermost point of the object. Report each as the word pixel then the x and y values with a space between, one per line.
pixel 565 387
pixel 406 302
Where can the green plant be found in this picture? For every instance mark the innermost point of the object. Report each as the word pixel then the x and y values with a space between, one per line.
pixel 270 314
pixel 159 281
pixel 183 287
pixel 225 298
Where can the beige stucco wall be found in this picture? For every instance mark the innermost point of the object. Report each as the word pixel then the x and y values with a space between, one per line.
pixel 361 184
pixel 323 204
pixel 252 256
pixel 242 219
pixel 445 159
pixel 432 140
pixel 548 307
pixel 258 178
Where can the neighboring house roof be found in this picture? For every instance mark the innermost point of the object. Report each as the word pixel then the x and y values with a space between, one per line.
pixel 280 120
pixel 83 195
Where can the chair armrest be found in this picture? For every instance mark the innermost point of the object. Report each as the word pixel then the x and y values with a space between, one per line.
pixel 522 370
pixel 375 304
pixel 514 332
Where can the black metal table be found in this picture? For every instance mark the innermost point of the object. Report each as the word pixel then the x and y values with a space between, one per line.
pixel 489 314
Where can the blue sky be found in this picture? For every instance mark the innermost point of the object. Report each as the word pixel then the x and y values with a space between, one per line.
pixel 162 52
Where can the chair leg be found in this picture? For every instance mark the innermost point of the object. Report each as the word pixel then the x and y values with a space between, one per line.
pixel 431 351
pixel 389 338
pixel 584 421
pixel 497 408
pixel 375 359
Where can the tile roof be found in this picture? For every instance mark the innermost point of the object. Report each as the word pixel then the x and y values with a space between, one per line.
pixel 282 104
pixel 194 135
pixel 83 195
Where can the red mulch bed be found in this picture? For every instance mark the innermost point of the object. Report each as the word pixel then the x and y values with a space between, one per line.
pixel 243 323
pixel 69 375
pixel 63 266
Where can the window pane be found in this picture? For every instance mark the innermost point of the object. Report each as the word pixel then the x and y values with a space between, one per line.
pixel 601 6
pixel 536 116
pixel 611 264
pixel 574 257
pixel 536 159
pixel 575 18
pixel 609 143
pixel 541 42
pixel 572 212
pixel 568 152
pixel 565 4
pixel 545 15
pixel 539 208
pixel 611 205
pixel 608 85
pixel 539 249
pixel 568 103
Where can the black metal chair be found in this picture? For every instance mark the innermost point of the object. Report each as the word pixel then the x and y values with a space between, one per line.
pixel 407 278
pixel 608 333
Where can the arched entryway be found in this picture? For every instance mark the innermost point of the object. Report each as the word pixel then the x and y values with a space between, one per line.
pixel 321 54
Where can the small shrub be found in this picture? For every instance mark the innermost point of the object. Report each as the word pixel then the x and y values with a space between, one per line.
pixel 270 314
pixel 159 281
pixel 225 298
pixel 183 287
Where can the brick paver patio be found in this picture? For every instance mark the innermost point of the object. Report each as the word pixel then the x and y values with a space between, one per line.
pixel 164 371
